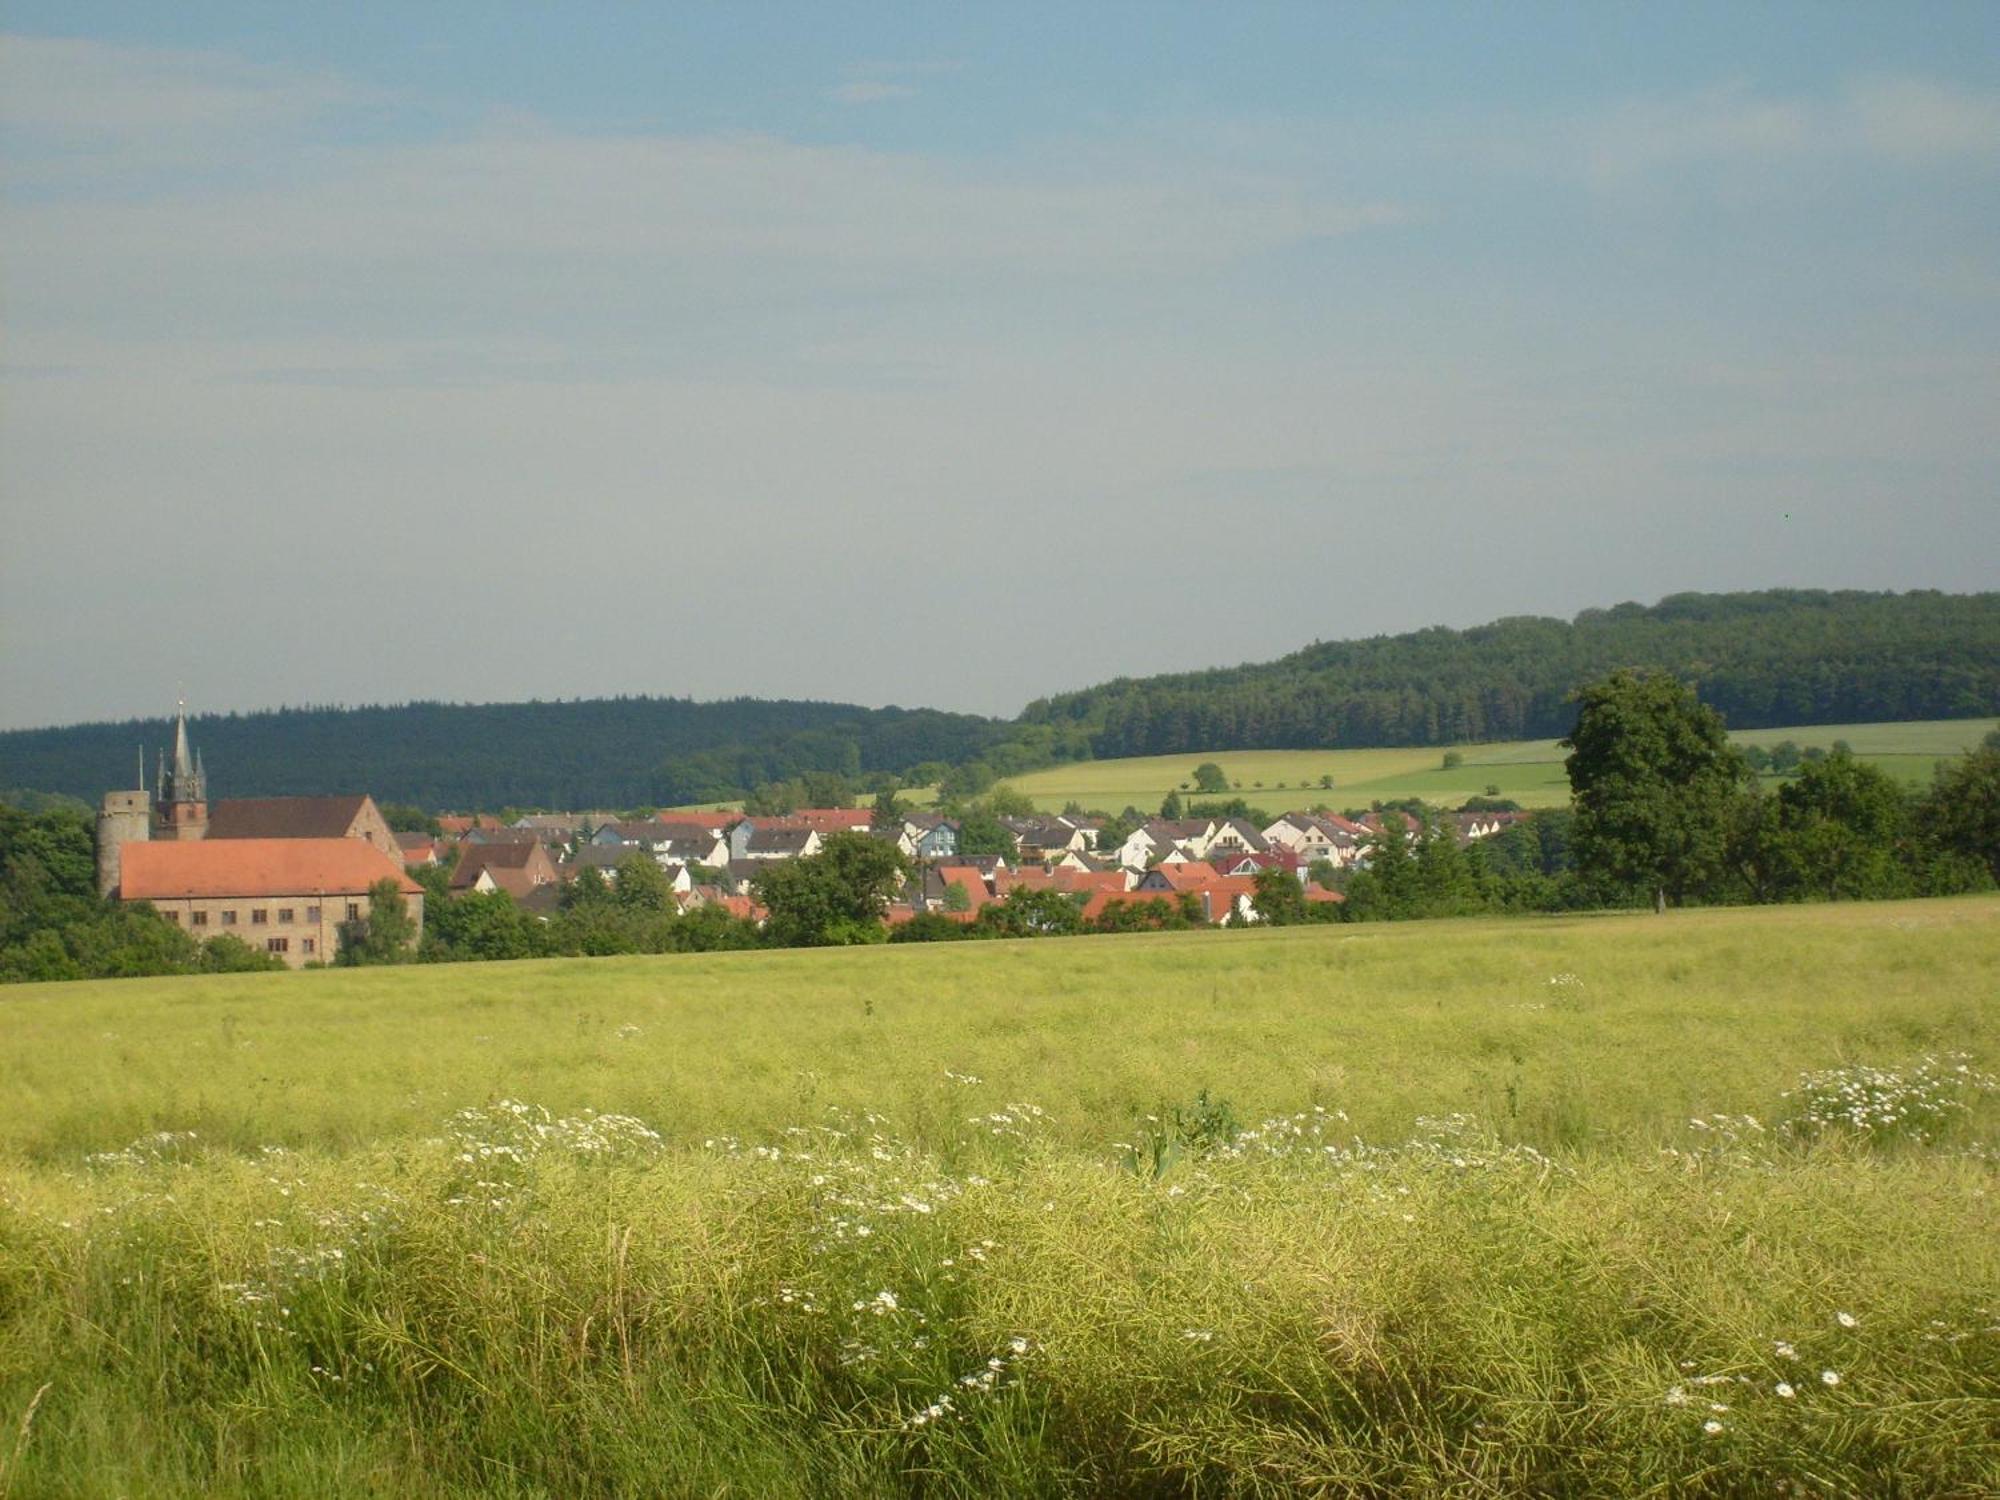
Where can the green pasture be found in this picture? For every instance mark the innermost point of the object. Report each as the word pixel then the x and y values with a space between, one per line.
pixel 1529 771
pixel 1478 1208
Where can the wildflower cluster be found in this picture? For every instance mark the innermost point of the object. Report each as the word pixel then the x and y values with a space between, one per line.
pixel 1697 1391
pixel 1917 1101
pixel 981 1382
pixel 512 1131
pixel 149 1150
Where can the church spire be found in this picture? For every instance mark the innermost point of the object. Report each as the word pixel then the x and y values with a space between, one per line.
pixel 182 804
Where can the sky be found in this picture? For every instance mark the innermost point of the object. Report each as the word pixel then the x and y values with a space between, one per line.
pixel 956 355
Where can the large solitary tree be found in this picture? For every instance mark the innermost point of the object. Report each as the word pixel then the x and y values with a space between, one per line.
pixel 1654 779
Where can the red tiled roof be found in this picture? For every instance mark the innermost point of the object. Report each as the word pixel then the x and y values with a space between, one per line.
pixel 255 867
pixel 1094 907
pixel 971 879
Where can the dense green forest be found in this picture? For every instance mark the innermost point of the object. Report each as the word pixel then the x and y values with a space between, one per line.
pixel 605 752
pixel 1785 656
pixel 1779 657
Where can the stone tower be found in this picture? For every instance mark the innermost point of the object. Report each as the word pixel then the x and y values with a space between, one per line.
pixel 125 818
pixel 180 810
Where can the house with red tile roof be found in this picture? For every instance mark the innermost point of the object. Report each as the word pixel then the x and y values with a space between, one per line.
pixel 284 896
pixel 969 879
pixel 417 849
pixel 516 868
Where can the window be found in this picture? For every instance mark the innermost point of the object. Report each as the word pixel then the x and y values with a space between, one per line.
pixel 229 919
pixel 285 914
pixel 277 945
pixel 197 919
pixel 354 911
pixel 172 916
pixel 312 913
pixel 309 945
pixel 260 917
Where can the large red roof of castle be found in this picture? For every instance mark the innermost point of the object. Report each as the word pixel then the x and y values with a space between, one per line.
pixel 255 867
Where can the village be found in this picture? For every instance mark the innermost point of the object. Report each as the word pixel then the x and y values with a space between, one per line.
pixel 288 874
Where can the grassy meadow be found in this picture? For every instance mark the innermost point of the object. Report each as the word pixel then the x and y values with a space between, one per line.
pixel 1529 771
pixel 1466 1208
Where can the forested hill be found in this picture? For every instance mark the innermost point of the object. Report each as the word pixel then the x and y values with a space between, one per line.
pixel 1783 657
pixel 1779 657
pixel 606 752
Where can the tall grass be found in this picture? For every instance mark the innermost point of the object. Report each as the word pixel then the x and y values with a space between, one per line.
pixel 1547 1220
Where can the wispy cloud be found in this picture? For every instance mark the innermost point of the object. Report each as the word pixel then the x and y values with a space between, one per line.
pixel 1876 116
pixel 881 81
pixel 869 91
pixel 96 108
pixel 1921 117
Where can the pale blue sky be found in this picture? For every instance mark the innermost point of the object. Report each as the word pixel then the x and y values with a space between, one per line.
pixel 951 356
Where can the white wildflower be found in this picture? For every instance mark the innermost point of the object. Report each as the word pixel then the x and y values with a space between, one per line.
pixel 1829 1377
pixel 1785 1390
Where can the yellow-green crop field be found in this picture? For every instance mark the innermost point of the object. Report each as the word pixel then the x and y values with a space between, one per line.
pixel 1529 771
pixel 1704 1204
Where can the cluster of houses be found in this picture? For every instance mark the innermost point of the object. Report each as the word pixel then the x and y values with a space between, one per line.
pixel 712 859
pixel 289 874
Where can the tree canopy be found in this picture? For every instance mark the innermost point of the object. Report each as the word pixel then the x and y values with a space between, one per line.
pixel 834 897
pixel 1654 780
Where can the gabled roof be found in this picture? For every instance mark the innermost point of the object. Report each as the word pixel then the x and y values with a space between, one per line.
pixel 461 823
pixel 1173 830
pixel 684 828
pixel 834 819
pixel 505 856
pixel 1250 833
pixel 486 836
pixel 648 832
pixel 780 840
pixel 255 867
pixel 603 857
pixel 284 817
pixel 966 876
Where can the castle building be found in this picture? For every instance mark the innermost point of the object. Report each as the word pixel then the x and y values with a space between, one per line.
pixel 282 873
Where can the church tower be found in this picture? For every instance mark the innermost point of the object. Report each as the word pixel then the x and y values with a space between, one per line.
pixel 180 807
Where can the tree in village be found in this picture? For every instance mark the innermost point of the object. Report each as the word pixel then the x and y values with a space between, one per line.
pixel 478 925
pixel 888 809
pixel 979 832
pixel 1960 816
pixel 387 935
pixel 1654 781
pixel 1004 801
pixel 1280 900
pixel 1211 778
pixel 1412 869
pixel 1172 808
pixel 1837 832
pixel 837 896
pixel 642 886
pixel 1032 913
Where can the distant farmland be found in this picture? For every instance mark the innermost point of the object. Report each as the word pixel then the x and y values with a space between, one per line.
pixel 1529 771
